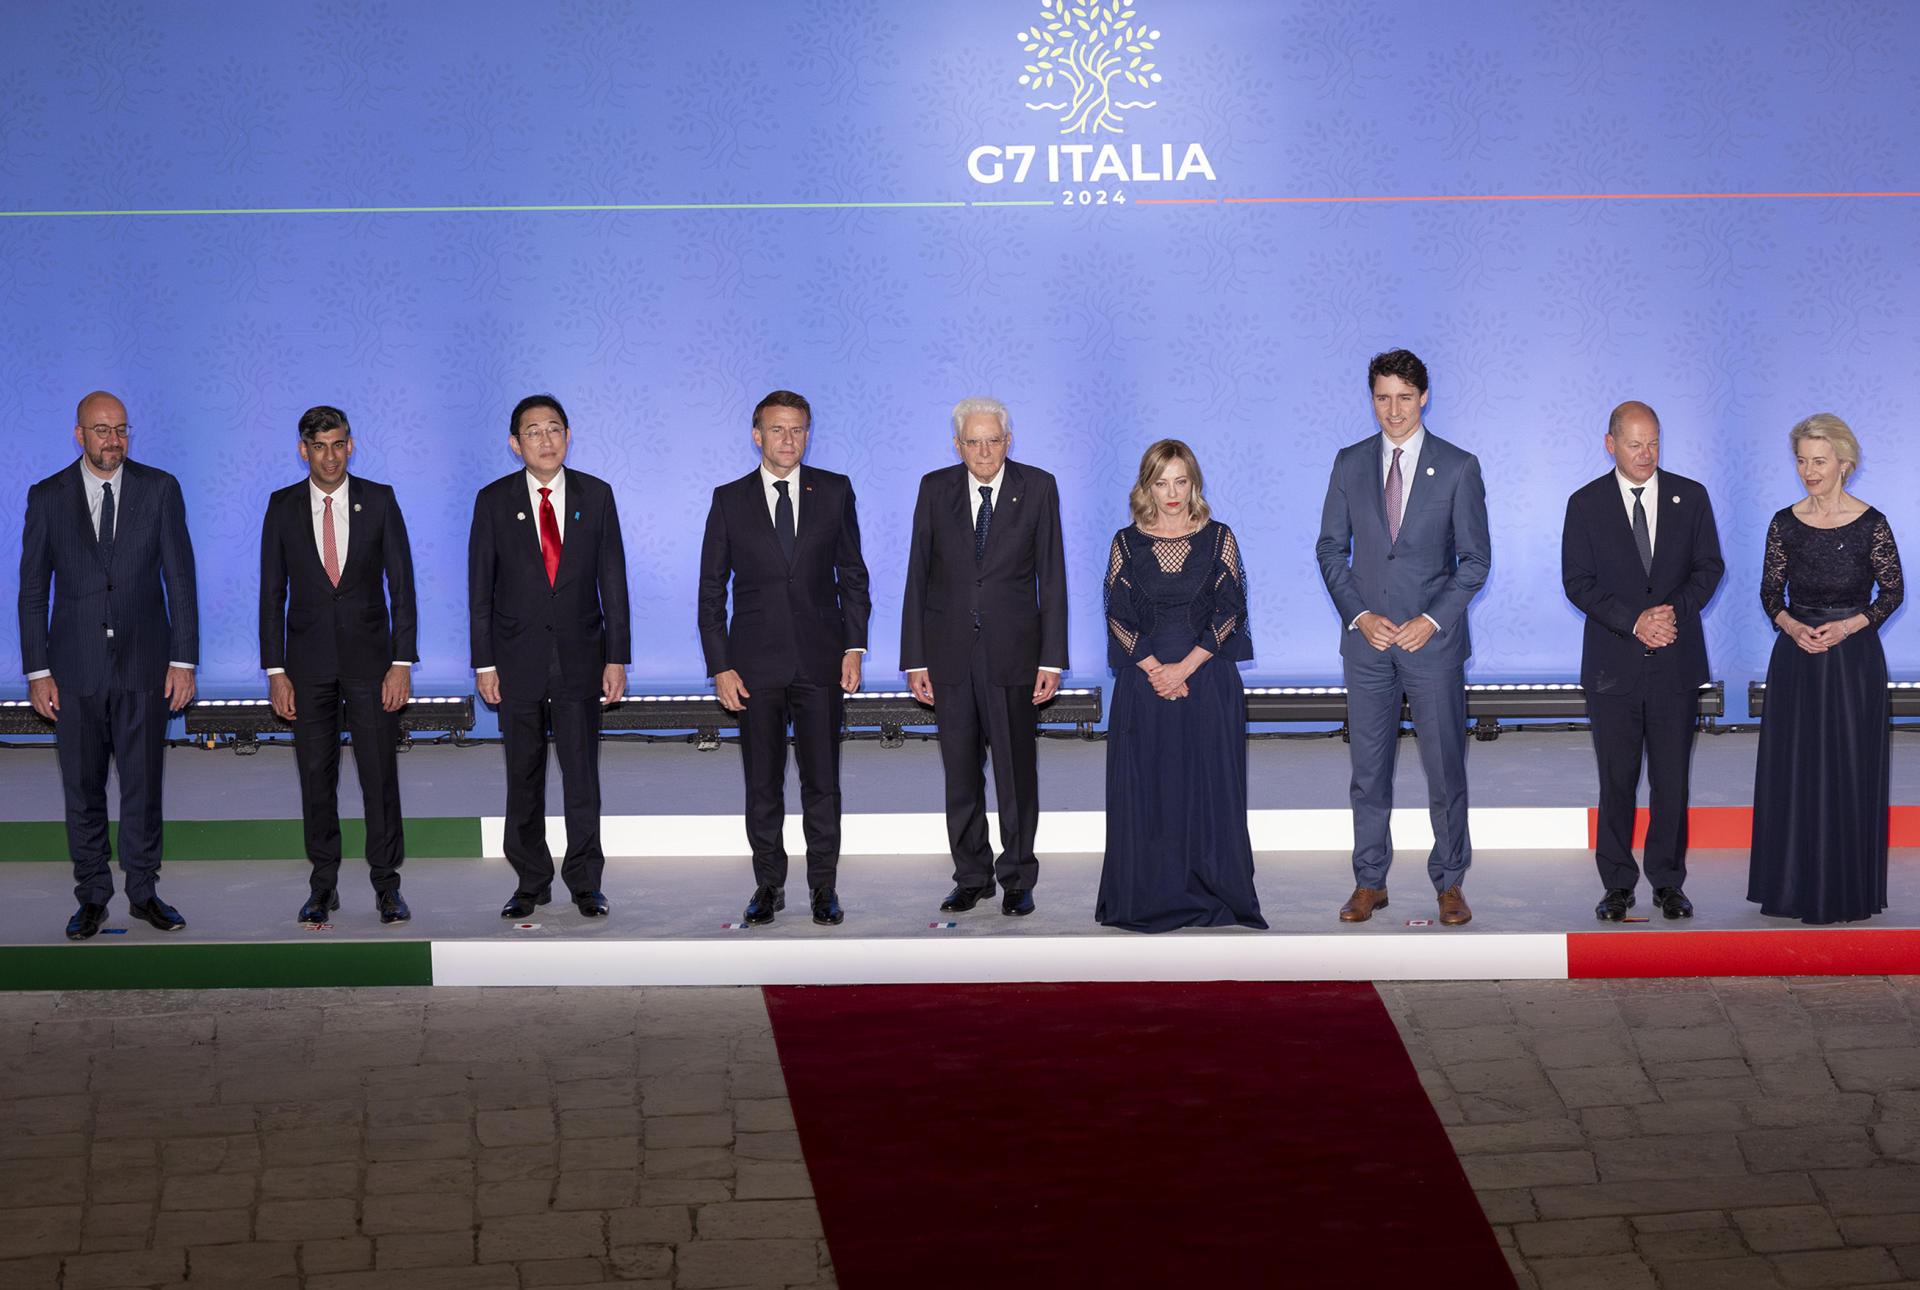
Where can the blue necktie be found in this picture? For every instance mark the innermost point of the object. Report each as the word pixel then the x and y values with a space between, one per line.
pixel 981 522
pixel 106 520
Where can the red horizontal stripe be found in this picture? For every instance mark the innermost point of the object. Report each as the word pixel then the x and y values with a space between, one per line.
pixel 1892 951
pixel 1732 826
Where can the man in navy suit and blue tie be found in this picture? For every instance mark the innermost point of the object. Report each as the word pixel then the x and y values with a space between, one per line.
pixel 106 541
pixel 337 630
pixel 1640 557
pixel 551 639
pixel 787 540
pixel 1403 549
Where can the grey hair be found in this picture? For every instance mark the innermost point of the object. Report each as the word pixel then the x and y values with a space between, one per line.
pixel 974 407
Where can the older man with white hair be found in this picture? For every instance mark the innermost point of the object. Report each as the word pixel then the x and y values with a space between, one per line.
pixel 983 638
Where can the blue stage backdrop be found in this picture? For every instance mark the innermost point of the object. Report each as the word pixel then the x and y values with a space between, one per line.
pixel 1169 217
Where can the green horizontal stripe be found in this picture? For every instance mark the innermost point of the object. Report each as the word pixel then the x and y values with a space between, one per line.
pixel 108 963
pixel 428 837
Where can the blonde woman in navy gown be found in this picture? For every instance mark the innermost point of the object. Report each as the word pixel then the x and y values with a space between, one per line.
pixel 1178 854
pixel 1820 782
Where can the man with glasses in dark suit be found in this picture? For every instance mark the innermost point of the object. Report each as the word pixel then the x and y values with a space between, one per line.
pixel 106 543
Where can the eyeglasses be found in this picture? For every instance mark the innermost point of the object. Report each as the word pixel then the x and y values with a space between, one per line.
pixel 539 434
pixel 107 431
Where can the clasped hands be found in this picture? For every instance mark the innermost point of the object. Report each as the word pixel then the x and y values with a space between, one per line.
pixel 1383 633
pixel 1818 640
pixel 1657 627
pixel 1169 680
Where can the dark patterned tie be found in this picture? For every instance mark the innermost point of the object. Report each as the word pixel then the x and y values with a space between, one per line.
pixel 106 521
pixel 1395 491
pixel 1642 538
pixel 981 523
pixel 783 519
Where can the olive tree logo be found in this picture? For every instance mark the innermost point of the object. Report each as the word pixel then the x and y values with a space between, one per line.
pixel 1094 50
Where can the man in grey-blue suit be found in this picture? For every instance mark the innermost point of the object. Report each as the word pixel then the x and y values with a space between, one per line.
pixel 106 542
pixel 1403 548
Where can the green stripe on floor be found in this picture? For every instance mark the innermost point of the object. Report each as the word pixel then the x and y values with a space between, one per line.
pixel 428 837
pixel 105 965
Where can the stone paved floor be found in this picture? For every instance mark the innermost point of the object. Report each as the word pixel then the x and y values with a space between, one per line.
pixel 1684 1135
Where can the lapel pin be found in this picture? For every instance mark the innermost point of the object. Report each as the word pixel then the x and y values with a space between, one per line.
pixel 519 515
pixel 1676 499
pixel 576 515
pixel 1012 500
pixel 1429 470
pixel 356 506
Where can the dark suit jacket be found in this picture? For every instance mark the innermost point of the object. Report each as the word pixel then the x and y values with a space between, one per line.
pixel 790 622
pixel 1440 561
pixel 315 630
pixel 1600 568
pixel 146 593
pixel 517 619
pixel 1018 592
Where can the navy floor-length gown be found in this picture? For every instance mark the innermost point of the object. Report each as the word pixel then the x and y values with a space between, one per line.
pixel 1178 854
pixel 1821 778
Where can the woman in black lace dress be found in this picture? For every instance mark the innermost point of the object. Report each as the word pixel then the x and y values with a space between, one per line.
pixel 1820 785
pixel 1178 854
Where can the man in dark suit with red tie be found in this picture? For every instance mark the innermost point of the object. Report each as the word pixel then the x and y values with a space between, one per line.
pixel 547 598
pixel 1640 557
pixel 337 630
pixel 983 627
pixel 788 540
pixel 106 542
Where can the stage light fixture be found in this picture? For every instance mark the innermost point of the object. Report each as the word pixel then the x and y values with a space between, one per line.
pixel 245 720
pixel 1487 704
pixel 17 717
pixel 889 711
pixel 1903 698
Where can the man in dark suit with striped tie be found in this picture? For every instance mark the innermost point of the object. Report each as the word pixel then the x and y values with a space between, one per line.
pixel 788 541
pixel 337 629
pixel 551 639
pixel 983 626
pixel 106 542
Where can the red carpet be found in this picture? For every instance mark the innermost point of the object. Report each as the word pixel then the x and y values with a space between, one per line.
pixel 1137 1134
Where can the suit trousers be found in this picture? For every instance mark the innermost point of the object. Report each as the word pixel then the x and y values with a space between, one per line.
pixel 1656 722
pixel 815 712
pixel 575 724
pixel 976 716
pixel 1436 693
pixel 129 729
pixel 316 750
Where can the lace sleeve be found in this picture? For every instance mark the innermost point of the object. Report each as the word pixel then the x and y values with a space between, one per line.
pixel 1773 573
pixel 1123 620
pixel 1884 556
pixel 1229 593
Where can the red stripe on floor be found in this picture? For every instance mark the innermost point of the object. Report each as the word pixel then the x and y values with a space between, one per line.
pixel 1890 951
pixel 1123 1134
pixel 1732 826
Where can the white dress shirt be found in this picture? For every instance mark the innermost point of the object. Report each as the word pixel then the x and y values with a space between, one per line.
pixel 767 480
pixel 1649 499
pixel 557 495
pixel 96 497
pixel 342 520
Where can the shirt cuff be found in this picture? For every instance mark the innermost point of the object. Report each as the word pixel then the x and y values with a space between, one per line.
pixel 1055 670
pixel 403 662
pixel 1436 623
pixel 857 649
pixel 480 671
pixel 188 666
pixel 1356 620
pixel 35 676
pixel 276 671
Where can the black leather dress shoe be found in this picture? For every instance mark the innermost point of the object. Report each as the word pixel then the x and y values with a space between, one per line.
pixel 592 904
pixel 86 921
pixel 826 907
pixel 763 905
pixel 319 905
pixel 961 899
pixel 158 912
pixel 1673 902
pixel 1614 905
pixel 1017 904
pixel 393 907
pixel 523 903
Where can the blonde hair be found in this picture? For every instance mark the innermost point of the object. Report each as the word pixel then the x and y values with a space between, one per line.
pixel 1145 510
pixel 1825 425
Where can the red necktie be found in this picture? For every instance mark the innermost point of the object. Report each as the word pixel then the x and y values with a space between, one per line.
pixel 549 537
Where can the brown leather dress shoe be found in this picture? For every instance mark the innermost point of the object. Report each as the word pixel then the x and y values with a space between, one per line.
pixel 1361 904
pixel 1453 908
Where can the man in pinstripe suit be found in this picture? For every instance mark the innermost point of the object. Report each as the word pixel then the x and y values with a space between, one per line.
pixel 107 537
